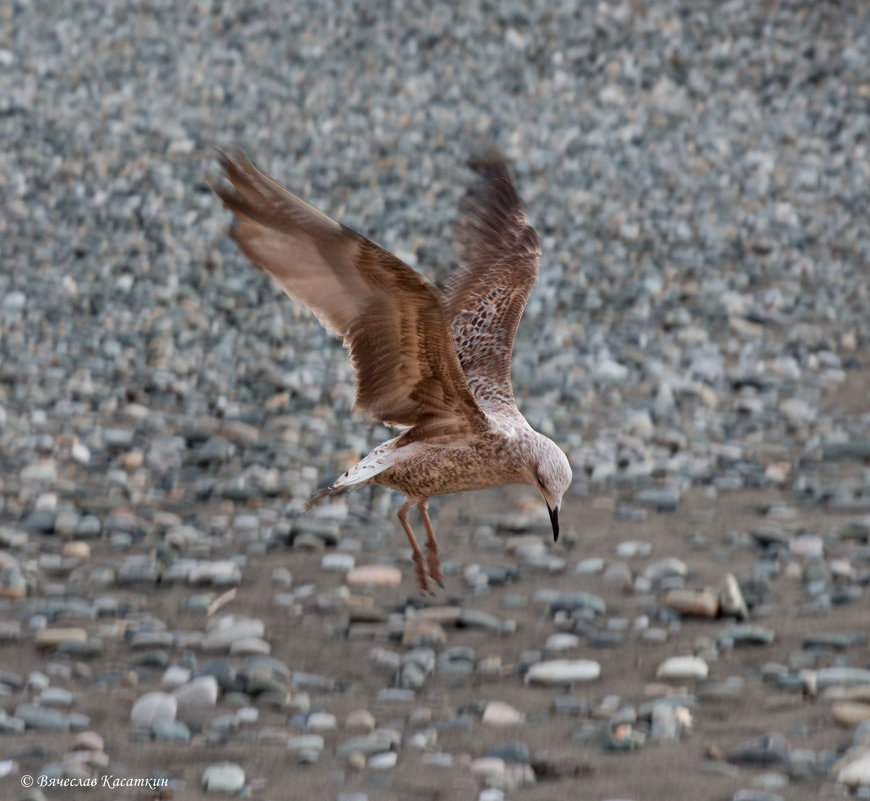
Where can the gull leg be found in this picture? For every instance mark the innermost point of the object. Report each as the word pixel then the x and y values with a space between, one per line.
pixel 419 567
pixel 433 558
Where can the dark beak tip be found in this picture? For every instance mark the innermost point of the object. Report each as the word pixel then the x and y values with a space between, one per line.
pixel 554 519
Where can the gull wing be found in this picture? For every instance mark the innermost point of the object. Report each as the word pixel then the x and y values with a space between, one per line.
pixel 500 253
pixel 392 319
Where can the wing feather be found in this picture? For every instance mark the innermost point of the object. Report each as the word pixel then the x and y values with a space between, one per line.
pixel 500 253
pixel 392 319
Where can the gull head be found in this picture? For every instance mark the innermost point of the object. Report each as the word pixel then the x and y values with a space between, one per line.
pixel 551 474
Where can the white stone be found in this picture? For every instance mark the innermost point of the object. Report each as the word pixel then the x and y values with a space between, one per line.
pixel 80 453
pixel 174 676
pixel 321 721
pixel 152 707
pixel 587 566
pixel 339 562
pixel 498 713
pixel 857 772
pixel 229 630
pixel 251 645
pixel 563 671
pixel 223 777
pixel 561 642
pixel 200 692
pixel 383 761
pixel 683 667
pixel 488 766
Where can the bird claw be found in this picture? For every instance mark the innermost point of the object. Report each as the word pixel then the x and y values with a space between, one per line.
pixel 433 562
pixel 421 574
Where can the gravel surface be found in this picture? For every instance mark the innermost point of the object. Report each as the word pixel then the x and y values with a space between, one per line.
pixel 697 342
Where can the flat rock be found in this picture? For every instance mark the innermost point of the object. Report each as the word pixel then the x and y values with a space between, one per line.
pixel 683 667
pixel 384 761
pixel 841 676
pixel 374 576
pixel 563 671
pixel 225 634
pixel 834 640
pixel 701 603
pixel 850 713
pixel 52 638
pixel 306 742
pixel 373 743
pixel 746 634
pixel 39 718
pixel 339 562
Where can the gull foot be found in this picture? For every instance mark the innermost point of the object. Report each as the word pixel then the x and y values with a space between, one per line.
pixel 420 574
pixel 433 564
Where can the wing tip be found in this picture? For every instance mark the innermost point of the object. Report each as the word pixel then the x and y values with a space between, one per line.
pixel 487 159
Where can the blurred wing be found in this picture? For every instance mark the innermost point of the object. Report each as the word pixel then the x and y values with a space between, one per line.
pixel 500 253
pixel 392 319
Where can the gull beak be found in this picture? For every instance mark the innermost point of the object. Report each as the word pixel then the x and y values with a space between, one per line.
pixel 554 519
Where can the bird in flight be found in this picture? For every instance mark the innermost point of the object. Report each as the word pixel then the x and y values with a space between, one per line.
pixel 436 363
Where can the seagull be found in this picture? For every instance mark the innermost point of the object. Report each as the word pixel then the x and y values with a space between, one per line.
pixel 435 363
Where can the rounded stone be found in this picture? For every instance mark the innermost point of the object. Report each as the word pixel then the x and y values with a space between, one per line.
pixel 223 777
pixel 152 707
pixel 683 668
pixel 563 671
pixel 374 576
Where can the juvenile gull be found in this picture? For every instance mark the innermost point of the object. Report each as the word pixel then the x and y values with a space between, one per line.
pixel 436 363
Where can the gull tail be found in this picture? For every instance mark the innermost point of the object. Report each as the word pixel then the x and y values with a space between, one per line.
pixel 321 495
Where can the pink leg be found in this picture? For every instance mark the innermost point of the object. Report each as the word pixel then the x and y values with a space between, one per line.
pixel 419 567
pixel 433 558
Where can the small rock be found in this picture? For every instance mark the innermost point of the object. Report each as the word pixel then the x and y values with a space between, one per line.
pixel 731 600
pixel 360 719
pixel 321 721
pixel 420 631
pixel 498 713
pixel 223 777
pixel 682 668
pixel 152 707
pixel 746 634
pixel 198 693
pixel 701 603
pixel 841 676
pixel 229 630
pixel 850 713
pixel 383 761
pixel 52 638
pixel 374 576
pixel 339 562
pixel 856 773
pixel 563 671
pixel 306 742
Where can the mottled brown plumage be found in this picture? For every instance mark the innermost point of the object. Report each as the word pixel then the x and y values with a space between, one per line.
pixel 438 363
